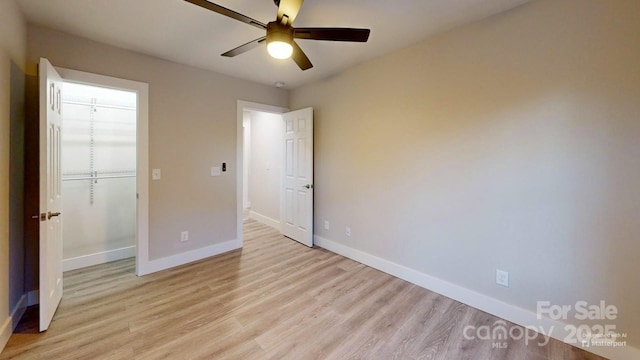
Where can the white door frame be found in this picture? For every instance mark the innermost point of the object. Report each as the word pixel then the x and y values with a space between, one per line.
pixel 142 152
pixel 242 107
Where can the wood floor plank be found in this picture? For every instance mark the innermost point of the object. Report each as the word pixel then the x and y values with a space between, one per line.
pixel 274 299
pixel 365 342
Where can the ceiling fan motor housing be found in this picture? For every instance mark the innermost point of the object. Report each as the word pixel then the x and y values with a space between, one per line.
pixel 279 32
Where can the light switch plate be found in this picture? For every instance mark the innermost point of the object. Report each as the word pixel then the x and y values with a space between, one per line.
pixel 215 171
pixel 156 174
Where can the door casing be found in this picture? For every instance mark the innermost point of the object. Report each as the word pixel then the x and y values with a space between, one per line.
pixel 142 152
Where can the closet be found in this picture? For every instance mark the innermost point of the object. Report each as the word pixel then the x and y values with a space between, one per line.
pixel 98 174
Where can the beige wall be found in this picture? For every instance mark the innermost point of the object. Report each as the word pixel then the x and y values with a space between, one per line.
pixel 13 36
pixel 192 127
pixel 512 143
pixel 265 169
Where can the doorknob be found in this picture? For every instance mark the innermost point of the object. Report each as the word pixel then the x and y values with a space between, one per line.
pixel 42 217
pixel 50 214
pixel 308 186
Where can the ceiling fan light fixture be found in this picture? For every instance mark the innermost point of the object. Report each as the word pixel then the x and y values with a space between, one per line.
pixel 279 39
pixel 280 49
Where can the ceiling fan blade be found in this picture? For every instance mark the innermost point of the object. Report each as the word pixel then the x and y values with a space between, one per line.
pixel 289 8
pixel 246 47
pixel 332 34
pixel 300 57
pixel 227 12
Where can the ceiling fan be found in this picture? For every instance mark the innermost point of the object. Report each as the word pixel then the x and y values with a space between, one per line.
pixel 280 33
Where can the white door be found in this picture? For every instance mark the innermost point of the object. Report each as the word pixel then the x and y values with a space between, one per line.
pixel 50 195
pixel 297 192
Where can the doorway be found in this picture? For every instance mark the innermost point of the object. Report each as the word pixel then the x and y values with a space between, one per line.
pixel 51 215
pixel 243 151
pixel 263 157
pixel 275 161
pixel 127 135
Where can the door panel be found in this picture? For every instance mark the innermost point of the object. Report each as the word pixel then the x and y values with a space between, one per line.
pixel 297 199
pixel 51 85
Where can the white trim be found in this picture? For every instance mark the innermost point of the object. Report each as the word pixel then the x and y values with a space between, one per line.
pixel 469 297
pixel 189 256
pixel 33 297
pixel 142 148
pixel 5 332
pixel 241 107
pixel 265 220
pixel 83 261
pixel 12 321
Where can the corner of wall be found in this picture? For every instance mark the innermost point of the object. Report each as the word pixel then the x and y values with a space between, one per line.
pixel 13 54
pixel 13 32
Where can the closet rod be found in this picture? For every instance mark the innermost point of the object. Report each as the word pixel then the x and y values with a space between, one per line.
pixel 98 177
pixel 97 105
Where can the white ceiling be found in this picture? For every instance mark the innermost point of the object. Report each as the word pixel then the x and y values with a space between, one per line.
pixel 182 32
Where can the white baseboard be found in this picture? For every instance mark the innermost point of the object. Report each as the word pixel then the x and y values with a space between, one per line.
pixel 189 256
pixel 265 220
pixel 98 258
pixel 469 297
pixel 10 323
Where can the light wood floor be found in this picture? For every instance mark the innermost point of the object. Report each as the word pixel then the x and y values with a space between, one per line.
pixel 275 299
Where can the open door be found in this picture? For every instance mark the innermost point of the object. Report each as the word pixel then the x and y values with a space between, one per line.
pixel 297 192
pixel 50 192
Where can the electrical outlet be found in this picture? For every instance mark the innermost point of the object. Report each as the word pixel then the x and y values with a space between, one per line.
pixel 156 174
pixel 502 278
pixel 184 236
pixel 326 224
pixel 347 231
